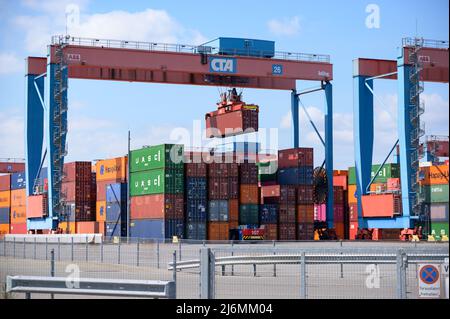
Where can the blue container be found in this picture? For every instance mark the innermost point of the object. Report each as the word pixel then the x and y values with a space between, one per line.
pixel 113 230
pixel 218 211
pixel 116 193
pixel 156 228
pixel 247 47
pixel 116 212
pixel 269 213
pixel 196 210
pixel 196 231
pixel 196 188
pixel 302 175
pixel 18 181
pixel 4 215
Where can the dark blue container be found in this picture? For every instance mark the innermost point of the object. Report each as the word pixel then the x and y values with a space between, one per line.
pixel 196 231
pixel 116 212
pixel 68 213
pixel 18 181
pixel 269 213
pixel 156 228
pixel 4 215
pixel 113 230
pixel 247 47
pixel 196 188
pixel 116 193
pixel 196 210
pixel 218 211
pixel 302 175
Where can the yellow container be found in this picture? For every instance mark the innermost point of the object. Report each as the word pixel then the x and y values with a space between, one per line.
pixel 5 199
pixel 18 197
pixel 4 229
pixel 68 227
pixel 351 194
pixel 114 169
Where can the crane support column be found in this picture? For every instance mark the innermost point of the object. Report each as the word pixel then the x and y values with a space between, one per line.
pixel 295 120
pixel 329 151
pixel 363 136
pixel 34 128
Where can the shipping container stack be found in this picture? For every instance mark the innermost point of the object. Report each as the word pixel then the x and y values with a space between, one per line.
pixel 196 199
pixel 18 218
pixel 157 192
pixel 434 186
pixel 111 172
pixel 248 195
pixel 223 196
pixel 270 198
pixel 5 203
pixel 76 191
pixel 296 207
pixel 388 180
pixel 339 211
pixel 340 180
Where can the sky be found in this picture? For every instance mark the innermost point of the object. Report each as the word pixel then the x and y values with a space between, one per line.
pixel 102 112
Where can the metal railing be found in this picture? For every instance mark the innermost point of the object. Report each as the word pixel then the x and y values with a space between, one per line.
pixel 427 43
pixel 184 48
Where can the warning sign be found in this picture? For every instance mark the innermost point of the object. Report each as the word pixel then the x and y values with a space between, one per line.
pixel 429 281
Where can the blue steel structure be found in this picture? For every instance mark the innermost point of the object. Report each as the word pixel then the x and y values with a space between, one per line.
pixel 409 86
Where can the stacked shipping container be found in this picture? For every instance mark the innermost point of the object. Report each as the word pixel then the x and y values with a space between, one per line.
pixel 157 192
pixel 5 203
pixel 248 194
pixel 18 217
pixel 196 199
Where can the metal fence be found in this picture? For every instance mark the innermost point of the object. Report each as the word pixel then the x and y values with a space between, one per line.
pixel 266 270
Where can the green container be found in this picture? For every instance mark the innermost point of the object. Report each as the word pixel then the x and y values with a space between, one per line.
pixel 388 171
pixel 160 156
pixel 249 214
pixel 267 171
pixel 434 193
pixel 157 181
pixel 439 228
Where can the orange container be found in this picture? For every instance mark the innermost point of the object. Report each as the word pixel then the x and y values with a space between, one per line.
pixel 340 173
pixel 68 227
pixel 339 227
pixel 233 211
pixel 5 199
pixel 18 197
pixel 218 231
pixel 270 191
pixel 87 227
pixel 381 205
pixel 114 169
pixel 270 231
pixel 101 228
pixel 340 181
pixel 4 229
pixel 36 206
pixel 353 231
pixel 18 215
pixel 18 228
pixel 393 184
pixel 249 194
pixel 100 214
pixel 378 187
pixel 434 175
pixel 351 194
pixel 305 213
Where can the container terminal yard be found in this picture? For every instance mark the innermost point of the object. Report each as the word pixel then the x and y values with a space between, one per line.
pixel 232 220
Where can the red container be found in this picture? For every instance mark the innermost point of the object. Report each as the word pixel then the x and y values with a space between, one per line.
pixel 305 231
pixel 18 229
pixel 7 167
pixel 196 169
pixel 305 213
pixel 287 214
pixel 438 148
pixel 353 212
pixel 295 157
pixel 77 171
pixel 248 173
pixel 233 188
pixel 338 195
pixel 340 173
pixel 37 206
pixel 381 205
pixel 223 170
pixel 270 191
pixel 305 194
pixel 5 182
pixel 288 194
pixel 338 213
pixel 218 231
pixel 341 181
pixel 231 123
pixel 101 190
pixel 353 231
pixel 271 231
pixel 287 231
pixel 393 184
pixel 249 194
pixel 160 206
pixel 88 228
pixel 233 211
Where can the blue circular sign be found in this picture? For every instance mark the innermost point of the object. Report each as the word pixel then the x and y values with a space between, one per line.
pixel 429 274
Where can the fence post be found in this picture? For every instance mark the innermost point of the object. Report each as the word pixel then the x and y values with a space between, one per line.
pixel 118 253
pixel 137 253
pixel 232 254
pixel 4 247
pixel 52 267
pixel 14 248
pixel 274 265
pixel 35 248
pixel 87 248
pixel 46 248
pixel 101 251
pixel 174 268
pixel 59 248
pixel 303 276
pixel 71 249
pixel 207 274
pixel 24 251
pixel 157 253
pixel 401 274
pixel 179 249
pixel 254 270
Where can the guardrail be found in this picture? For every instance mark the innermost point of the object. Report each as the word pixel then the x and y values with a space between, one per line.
pixel 84 286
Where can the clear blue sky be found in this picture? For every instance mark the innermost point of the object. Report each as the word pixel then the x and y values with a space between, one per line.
pixel 102 112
